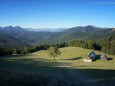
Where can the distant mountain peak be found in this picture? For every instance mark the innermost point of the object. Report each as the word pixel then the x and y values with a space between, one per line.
pixel 8 27
pixel 18 27
pixel 12 27
pixel 89 28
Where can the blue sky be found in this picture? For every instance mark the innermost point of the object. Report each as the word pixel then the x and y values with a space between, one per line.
pixel 57 13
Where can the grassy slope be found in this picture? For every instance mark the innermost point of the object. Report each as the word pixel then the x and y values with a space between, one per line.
pixel 75 55
pixel 68 69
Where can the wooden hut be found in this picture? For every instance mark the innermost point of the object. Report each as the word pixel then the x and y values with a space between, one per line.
pixel 90 57
pixel 103 57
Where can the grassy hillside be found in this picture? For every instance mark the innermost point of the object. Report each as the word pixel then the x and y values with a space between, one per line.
pixel 75 55
pixel 38 69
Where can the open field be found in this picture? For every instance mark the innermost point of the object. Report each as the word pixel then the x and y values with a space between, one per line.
pixel 38 69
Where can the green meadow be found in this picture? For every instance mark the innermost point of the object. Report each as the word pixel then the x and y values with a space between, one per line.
pixel 69 69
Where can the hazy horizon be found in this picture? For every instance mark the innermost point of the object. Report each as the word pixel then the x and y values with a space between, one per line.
pixel 57 27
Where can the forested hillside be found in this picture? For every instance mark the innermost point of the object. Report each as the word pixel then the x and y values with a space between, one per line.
pixel 20 40
pixel 23 35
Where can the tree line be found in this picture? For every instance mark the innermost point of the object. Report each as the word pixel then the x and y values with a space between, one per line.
pixel 107 46
pixel 21 50
pixel 104 46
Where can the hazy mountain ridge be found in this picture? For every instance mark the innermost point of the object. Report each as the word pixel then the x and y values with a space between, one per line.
pixel 25 36
pixel 83 29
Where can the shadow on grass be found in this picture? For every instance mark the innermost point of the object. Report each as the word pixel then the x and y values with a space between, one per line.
pixel 76 58
pixel 28 72
pixel 11 56
pixel 97 57
pixel 18 55
pixel 109 59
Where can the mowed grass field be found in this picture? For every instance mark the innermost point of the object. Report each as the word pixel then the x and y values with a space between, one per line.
pixel 69 69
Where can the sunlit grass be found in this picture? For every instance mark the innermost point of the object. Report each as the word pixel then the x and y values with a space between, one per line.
pixel 69 53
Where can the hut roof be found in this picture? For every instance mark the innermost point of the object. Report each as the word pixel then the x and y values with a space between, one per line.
pixel 92 54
